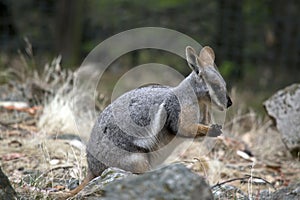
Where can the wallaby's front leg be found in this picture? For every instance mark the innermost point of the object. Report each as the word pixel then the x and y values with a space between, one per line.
pixel 213 130
pixel 205 112
pixel 200 130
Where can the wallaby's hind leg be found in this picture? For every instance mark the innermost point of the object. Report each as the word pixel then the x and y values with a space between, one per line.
pixel 94 165
pixel 135 162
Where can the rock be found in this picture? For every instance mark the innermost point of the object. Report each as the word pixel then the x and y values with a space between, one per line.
pixel 284 108
pixel 94 189
pixel 292 192
pixel 228 192
pixel 171 182
pixel 6 190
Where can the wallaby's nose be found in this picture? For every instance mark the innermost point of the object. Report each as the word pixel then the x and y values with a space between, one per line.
pixel 229 102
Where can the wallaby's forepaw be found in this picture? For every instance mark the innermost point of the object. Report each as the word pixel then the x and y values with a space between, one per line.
pixel 215 130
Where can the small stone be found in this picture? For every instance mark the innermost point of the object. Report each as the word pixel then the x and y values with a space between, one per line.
pixel 54 162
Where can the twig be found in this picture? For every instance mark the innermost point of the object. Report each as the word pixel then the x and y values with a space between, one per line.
pixel 242 179
pixel 228 181
pixel 57 167
pixel 53 169
pixel 256 177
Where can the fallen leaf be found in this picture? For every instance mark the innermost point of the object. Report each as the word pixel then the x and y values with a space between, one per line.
pixel 12 156
pixel 59 187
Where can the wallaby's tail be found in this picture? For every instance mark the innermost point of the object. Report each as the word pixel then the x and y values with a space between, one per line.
pixel 86 180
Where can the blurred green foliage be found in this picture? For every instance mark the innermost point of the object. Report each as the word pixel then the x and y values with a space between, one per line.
pixel 226 68
pixel 257 42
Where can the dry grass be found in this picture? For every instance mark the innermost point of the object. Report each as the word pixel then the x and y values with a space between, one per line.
pixel 44 164
pixel 41 160
pixel 245 131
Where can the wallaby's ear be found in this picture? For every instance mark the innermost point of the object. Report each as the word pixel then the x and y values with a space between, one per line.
pixel 207 56
pixel 192 59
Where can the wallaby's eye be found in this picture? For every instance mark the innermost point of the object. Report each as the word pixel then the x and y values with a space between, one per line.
pixel 199 73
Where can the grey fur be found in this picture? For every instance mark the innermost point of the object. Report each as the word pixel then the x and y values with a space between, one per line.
pixel 132 131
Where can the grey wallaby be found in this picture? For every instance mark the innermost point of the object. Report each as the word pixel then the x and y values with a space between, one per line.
pixel 130 131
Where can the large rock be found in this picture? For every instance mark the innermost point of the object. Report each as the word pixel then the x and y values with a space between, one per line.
pixel 171 182
pixel 6 190
pixel 284 108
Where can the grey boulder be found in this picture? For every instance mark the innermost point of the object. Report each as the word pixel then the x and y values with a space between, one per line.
pixel 284 108
pixel 171 182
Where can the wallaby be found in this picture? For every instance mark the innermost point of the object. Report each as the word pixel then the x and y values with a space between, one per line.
pixel 146 119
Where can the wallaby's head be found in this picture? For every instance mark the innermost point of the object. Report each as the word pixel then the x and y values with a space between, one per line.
pixel 203 65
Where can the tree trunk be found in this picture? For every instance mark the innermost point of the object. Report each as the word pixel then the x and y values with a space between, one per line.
pixel 69 30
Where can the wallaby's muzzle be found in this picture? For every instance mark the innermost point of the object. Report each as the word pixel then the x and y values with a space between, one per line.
pixel 229 102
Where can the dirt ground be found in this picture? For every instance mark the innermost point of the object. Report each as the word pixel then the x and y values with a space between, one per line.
pixel 250 157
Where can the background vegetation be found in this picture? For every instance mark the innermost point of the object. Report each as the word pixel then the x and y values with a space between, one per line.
pixel 257 42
